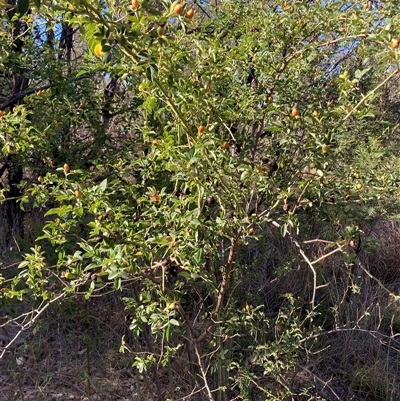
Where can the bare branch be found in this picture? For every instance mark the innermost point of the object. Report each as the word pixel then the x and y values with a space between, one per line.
pixel 30 323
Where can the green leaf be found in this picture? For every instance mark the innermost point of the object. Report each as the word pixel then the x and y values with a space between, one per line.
pixel 368 114
pixel 37 3
pixel 22 6
pixel 244 175
pixel 103 185
pixel 359 74
pixel 81 72
pixel 168 333
pixel 174 322
pixel 113 274
pixel 150 72
pixel 59 211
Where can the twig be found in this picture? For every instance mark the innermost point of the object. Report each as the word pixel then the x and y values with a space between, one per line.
pixel 373 333
pixel 28 92
pixel 310 241
pixel 30 323
pixel 226 273
pixel 295 242
pixel 372 277
pixel 321 381
pixel 301 196
pixel 189 396
pixel 369 94
pixel 327 255
pixel 203 372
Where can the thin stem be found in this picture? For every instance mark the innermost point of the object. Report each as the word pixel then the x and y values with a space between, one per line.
pixel 369 94
pixel 312 302
pixel 203 372
pixel 30 323
pixel 327 255
pixel 137 374
pixel 173 106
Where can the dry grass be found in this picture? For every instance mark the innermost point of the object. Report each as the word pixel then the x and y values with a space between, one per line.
pixel 355 356
pixel 75 354
pixel 54 360
pixel 383 257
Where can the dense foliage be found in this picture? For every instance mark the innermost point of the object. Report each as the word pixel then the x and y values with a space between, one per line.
pixel 159 147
